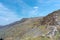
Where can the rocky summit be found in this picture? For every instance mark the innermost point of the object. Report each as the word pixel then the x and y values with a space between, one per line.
pixel 36 28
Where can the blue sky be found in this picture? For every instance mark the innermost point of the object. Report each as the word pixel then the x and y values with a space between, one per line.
pixel 13 10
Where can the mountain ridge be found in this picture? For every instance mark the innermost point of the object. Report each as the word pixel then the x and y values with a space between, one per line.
pixel 31 28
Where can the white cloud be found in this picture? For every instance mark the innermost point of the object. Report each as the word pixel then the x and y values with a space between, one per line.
pixel 36 7
pixel 6 15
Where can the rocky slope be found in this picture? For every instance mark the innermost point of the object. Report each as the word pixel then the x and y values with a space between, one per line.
pixel 52 18
pixel 38 28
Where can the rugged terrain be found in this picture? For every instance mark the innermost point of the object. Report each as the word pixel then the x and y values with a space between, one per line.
pixel 37 28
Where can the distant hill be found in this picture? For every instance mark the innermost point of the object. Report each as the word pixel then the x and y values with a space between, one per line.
pixel 36 28
pixel 1 26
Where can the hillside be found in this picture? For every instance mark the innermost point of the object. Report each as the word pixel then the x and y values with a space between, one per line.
pixel 52 18
pixel 38 28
